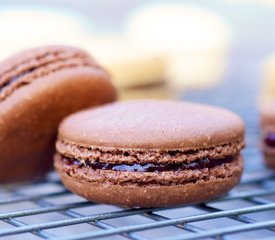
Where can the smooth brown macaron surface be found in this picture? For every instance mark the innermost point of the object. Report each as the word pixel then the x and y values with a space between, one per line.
pixel 38 88
pixel 150 153
pixel 268 133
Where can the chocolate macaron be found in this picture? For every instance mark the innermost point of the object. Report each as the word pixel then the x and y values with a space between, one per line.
pixel 150 153
pixel 268 133
pixel 38 88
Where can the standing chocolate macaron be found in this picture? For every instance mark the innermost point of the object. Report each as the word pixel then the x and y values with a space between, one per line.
pixel 150 153
pixel 38 88
pixel 268 133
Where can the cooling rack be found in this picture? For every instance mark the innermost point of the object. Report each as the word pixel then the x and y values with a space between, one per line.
pixel 45 210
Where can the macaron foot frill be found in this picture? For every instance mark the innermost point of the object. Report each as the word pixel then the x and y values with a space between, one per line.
pixel 150 153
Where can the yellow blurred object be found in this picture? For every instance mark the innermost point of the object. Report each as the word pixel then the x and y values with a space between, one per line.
pixel 268 91
pixel 205 70
pixel 34 26
pixel 159 92
pixel 129 66
pixel 165 47
pixel 134 71
pixel 192 41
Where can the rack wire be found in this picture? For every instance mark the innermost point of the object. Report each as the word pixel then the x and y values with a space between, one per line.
pixel 45 210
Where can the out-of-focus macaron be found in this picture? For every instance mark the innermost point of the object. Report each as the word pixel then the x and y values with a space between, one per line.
pixel 38 88
pixel 193 41
pixel 136 73
pixel 33 26
pixel 268 133
pixel 268 89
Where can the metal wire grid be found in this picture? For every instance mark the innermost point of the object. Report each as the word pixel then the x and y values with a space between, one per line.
pixel 247 211
pixel 256 197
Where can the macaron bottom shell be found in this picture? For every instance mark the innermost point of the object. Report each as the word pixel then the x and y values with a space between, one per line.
pixel 150 195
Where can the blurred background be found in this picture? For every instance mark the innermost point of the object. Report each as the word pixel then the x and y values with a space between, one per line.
pixel 159 49
pixel 220 52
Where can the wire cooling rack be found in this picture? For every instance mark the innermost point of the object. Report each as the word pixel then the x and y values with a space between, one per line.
pixel 45 210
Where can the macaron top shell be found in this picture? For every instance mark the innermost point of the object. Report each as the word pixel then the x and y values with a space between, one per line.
pixel 153 124
pixel 27 66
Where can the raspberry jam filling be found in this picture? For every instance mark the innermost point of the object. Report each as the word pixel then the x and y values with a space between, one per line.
pixel 269 139
pixel 149 167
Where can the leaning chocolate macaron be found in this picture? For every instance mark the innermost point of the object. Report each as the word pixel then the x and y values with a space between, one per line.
pixel 150 153
pixel 268 133
pixel 38 88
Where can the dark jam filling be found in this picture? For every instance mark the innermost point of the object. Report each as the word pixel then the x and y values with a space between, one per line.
pixel 150 167
pixel 269 139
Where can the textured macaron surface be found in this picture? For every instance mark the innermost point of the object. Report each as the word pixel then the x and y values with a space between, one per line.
pixel 153 124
